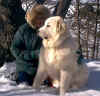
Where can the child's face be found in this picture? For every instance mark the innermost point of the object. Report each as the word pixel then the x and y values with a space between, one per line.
pixel 39 23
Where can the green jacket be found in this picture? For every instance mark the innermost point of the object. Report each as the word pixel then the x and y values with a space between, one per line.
pixel 25 48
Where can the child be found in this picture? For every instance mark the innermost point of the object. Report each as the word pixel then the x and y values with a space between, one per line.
pixel 26 44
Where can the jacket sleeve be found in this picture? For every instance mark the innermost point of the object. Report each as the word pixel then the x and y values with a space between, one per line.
pixel 18 48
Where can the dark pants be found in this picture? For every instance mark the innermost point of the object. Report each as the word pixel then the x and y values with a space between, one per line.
pixel 24 77
pixel 28 79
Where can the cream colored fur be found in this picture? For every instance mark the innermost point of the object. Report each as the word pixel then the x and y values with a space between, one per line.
pixel 58 58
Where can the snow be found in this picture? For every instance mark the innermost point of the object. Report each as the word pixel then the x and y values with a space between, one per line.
pixel 9 88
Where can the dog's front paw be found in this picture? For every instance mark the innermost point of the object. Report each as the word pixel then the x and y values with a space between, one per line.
pixel 36 88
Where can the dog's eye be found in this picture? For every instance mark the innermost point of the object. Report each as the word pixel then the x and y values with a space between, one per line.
pixel 48 25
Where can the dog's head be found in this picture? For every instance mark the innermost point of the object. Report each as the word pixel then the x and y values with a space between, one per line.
pixel 53 28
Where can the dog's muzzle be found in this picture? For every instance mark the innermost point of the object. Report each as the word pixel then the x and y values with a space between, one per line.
pixel 42 35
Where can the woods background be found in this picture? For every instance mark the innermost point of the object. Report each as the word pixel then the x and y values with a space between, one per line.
pixel 85 23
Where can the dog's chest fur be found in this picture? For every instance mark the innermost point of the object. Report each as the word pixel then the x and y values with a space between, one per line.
pixel 54 55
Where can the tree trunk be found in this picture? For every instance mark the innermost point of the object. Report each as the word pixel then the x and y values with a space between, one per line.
pixel 62 8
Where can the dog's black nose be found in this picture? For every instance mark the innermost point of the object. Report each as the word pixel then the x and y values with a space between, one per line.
pixel 45 37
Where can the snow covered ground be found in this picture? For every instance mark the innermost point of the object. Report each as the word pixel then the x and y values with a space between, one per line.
pixel 9 88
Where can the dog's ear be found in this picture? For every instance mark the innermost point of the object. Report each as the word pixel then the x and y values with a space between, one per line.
pixel 61 26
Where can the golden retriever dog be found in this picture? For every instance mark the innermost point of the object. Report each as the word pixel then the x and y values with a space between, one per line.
pixel 58 58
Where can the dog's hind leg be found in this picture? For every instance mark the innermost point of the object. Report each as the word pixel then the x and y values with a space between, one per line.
pixel 65 79
pixel 80 78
